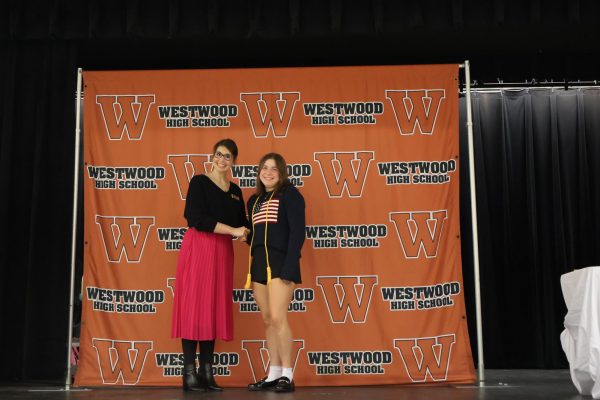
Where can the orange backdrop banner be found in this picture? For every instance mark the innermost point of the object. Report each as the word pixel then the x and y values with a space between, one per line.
pixel 374 151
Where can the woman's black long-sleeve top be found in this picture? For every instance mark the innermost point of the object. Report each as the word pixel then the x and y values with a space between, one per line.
pixel 206 204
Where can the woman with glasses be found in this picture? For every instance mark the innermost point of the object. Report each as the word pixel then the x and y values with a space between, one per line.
pixel 202 309
pixel 277 236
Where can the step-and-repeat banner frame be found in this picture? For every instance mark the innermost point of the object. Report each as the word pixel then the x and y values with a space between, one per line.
pixel 374 151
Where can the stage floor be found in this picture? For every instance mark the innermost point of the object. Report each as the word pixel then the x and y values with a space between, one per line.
pixel 499 385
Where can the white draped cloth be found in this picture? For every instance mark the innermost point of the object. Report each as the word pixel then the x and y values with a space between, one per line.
pixel 581 338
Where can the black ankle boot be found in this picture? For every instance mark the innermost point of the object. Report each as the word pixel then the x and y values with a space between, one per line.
pixel 207 373
pixel 191 380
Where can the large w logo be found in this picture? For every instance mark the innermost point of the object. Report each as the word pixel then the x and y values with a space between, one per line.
pixel 270 112
pixel 419 230
pixel 416 109
pixel 185 166
pixel 124 235
pixel 344 170
pixel 347 295
pixel 125 114
pixel 121 360
pixel 258 355
pixel 426 357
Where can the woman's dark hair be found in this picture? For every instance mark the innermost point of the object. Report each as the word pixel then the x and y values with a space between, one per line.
pixel 281 167
pixel 229 144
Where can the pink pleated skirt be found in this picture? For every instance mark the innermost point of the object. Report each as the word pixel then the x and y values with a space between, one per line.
pixel 202 308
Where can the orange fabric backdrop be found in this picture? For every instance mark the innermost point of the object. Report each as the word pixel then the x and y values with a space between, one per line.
pixel 374 151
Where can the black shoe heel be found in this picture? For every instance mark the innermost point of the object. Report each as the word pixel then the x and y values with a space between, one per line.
pixel 207 373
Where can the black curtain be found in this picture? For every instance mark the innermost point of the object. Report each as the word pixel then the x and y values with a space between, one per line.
pixel 37 122
pixel 536 152
pixel 537 160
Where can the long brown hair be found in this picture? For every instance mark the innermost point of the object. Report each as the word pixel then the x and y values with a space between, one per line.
pixel 281 167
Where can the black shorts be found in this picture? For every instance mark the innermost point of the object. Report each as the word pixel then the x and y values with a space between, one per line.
pixel 258 268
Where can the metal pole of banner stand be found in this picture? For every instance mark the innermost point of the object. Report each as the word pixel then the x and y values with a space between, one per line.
pixel 74 229
pixel 480 364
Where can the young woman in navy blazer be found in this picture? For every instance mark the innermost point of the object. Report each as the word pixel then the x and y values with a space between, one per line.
pixel 276 213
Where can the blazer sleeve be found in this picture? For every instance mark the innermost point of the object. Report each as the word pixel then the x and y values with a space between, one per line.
pixel 295 208
pixel 196 208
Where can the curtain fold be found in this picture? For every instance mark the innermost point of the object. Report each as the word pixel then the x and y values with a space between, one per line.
pixel 538 206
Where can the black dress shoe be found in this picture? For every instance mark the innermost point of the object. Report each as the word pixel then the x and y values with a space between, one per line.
pixel 191 380
pixel 206 373
pixel 262 385
pixel 284 385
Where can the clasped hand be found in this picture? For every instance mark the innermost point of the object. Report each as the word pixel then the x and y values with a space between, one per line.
pixel 241 233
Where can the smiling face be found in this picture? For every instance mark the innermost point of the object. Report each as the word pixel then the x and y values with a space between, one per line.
pixel 222 159
pixel 269 174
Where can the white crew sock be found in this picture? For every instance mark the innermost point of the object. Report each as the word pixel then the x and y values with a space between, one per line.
pixel 288 373
pixel 274 373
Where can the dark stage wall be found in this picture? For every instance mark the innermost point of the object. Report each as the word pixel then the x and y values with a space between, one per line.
pixel 537 154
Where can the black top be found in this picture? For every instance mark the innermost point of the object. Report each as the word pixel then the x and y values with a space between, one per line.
pixel 206 204
pixel 286 228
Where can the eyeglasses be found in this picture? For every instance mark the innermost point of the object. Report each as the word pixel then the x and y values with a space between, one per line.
pixel 227 157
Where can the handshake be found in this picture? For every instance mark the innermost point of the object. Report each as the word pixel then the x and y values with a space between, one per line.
pixel 241 233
